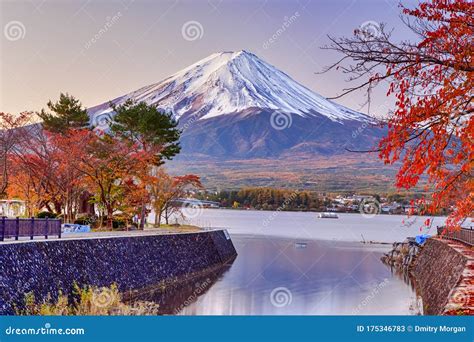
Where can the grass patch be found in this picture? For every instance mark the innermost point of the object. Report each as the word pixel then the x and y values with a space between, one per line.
pixel 86 301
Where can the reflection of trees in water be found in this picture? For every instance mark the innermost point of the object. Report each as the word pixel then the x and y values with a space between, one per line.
pixel 416 305
pixel 173 296
pixel 404 275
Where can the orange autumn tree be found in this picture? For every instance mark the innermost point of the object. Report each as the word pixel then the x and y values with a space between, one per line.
pixel 109 165
pixel 432 128
pixel 165 190
pixel 153 131
pixel 44 160
pixel 27 184
pixel 134 194
pixel 69 180
pixel 41 169
pixel 13 129
pixel 136 187
pixel 33 166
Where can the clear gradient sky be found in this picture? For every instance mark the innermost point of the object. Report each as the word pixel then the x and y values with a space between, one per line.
pixel 47 45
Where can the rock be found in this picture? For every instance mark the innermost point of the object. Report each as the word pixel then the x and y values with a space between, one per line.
pixel 402 254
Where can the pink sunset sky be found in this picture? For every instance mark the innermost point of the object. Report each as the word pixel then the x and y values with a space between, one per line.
pixel 99 50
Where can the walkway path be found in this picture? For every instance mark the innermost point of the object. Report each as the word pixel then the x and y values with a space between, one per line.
pixel 108 234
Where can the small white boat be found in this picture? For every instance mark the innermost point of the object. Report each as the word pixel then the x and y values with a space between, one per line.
pixel 300 244
pixel 328 215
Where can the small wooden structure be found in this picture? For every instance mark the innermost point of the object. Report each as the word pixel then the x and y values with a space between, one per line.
pixel 464 235
pixel 29 227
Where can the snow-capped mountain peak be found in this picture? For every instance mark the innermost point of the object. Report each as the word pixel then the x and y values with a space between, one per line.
pixel 232 82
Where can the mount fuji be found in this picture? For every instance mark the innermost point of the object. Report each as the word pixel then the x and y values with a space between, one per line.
pixel 244 122
pixel 235 105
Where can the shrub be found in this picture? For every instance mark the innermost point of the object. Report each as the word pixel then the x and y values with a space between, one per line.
pixel 89 300
pixel 86 220
pixel 118 223
pixel 46 214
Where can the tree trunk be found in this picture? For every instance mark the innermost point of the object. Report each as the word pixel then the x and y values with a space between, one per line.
pixel 142 217
pixel 58 209
pixel 167 215
pixel 156 217
pixel 4 183
pixel 101 218
pixel 110 219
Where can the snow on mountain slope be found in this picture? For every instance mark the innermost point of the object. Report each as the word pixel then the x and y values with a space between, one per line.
pixel 231 82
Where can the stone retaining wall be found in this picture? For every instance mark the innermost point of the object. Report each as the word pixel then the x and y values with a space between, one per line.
pixel 132 262
pixel 437 269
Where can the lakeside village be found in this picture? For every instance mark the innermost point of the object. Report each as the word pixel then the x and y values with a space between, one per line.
pixel 261 199
pixel 290 200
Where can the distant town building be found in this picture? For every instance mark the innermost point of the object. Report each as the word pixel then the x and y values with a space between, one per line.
pixel 391 208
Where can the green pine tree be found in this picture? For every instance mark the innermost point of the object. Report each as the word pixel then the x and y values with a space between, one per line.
pixel 143 123
pixel 67 113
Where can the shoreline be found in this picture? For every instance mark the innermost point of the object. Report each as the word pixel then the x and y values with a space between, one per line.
pixel 352 243
pixel 441 271
pixel 54 266
pixel 318 211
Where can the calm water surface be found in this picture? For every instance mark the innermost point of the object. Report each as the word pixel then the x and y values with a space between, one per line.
pixel 348 227
pixel 296 264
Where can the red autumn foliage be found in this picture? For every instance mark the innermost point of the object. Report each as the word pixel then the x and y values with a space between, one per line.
pixel 44 173
pixel 432 128
pixel 12 130
pixel 165 189
pixel 51 170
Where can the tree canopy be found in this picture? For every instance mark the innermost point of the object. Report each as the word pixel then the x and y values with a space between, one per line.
pixel 67 113
pixel 144 124
pixel 59 165
pixel 431 130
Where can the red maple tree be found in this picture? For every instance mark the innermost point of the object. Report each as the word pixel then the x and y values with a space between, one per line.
pixel 111 166
pixel 432 128
pixel 165 191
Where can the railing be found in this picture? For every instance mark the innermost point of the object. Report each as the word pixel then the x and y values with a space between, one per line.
pixel 30 227
pixel 464 235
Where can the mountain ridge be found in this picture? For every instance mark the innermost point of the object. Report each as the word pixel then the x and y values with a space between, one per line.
pixel 230 82
pixel 235 105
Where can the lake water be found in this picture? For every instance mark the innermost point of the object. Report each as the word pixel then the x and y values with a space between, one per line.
pixel 292 263
pixel 306 225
